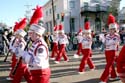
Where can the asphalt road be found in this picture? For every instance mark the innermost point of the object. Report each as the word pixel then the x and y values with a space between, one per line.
pixel 66 72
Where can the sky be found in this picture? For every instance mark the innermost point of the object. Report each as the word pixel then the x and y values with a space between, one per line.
pixel 122 4
pixel 13 10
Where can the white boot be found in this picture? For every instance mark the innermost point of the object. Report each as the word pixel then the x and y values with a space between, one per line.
pixel 9 78
pixel 102 82
pixel 76 56
pixel 81 72
pixel 57 62
pixel 52 58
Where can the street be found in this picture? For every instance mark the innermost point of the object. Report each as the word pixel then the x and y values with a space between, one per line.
pixel 66 72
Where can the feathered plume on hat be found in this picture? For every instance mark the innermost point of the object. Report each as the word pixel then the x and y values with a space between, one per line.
pixel 80 31
pixel 18 28
pixel 111 22
pixel 56 29
pixel 87 27
pixel 22 24
pixel 61 28
pixel 36 15
pixel 15 27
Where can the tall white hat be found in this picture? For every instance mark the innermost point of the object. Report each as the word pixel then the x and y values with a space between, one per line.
pixel 20 32
pixel 38 29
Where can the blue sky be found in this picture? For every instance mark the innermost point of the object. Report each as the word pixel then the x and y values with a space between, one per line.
pixel 12 10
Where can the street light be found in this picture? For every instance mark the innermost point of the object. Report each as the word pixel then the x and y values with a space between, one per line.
pixel 62 17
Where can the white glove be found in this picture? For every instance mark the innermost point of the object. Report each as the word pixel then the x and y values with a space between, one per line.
pixel 26 57
pixel 19 52
pixel 13 50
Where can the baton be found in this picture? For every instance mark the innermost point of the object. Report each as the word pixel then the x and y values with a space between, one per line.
pixel 6 56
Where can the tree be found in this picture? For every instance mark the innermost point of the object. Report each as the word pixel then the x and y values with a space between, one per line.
pixel 114 8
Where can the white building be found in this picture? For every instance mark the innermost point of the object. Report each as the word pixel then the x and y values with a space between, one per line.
pixel 75 13
pixel 121 16
pixel 71 11
pixel 96 12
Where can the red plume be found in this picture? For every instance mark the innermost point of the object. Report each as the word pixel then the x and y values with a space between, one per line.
pixel 111 19
pixel 36 15
pixel 87 26
pixel 60 27
pixel 55 28
pixel 22 24
pixel 16 26
pixel 80 30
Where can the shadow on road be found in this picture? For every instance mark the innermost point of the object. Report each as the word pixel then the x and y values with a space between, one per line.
pixel 96 80
pixel 63 72
pixel 3 80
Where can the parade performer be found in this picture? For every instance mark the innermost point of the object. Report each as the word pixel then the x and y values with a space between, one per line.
pixel 37 56
pixel 86 49
pixel 121 64
pixel 18 42
pixel 13 59
pixel 22 69
pixel 79 37
pixel 55 43
pixel 62 44
pixel 111 43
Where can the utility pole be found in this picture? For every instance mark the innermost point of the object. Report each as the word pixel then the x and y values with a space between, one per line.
pixel 28 11
pixel 53 10
pixel 27 15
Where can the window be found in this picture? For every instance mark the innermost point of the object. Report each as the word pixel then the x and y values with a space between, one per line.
pixel 72 25
pixel 50 11
pixel 55 7
pixel 46 13
pixel 97 7
pixel 72 4
pixel 97 1
pixel 58 16
pixel 85 4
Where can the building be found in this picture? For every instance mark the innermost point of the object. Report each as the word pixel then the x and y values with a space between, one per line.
pixel 115 3
pixel 96 11
pixel 70 9
pixel 75 12
pixel 121 16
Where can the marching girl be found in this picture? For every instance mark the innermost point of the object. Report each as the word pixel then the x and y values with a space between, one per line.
pixel 79 37
pixel 55 43
pixel 111 45
pixel 62 44
pixel 121 64
pixel 86 49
